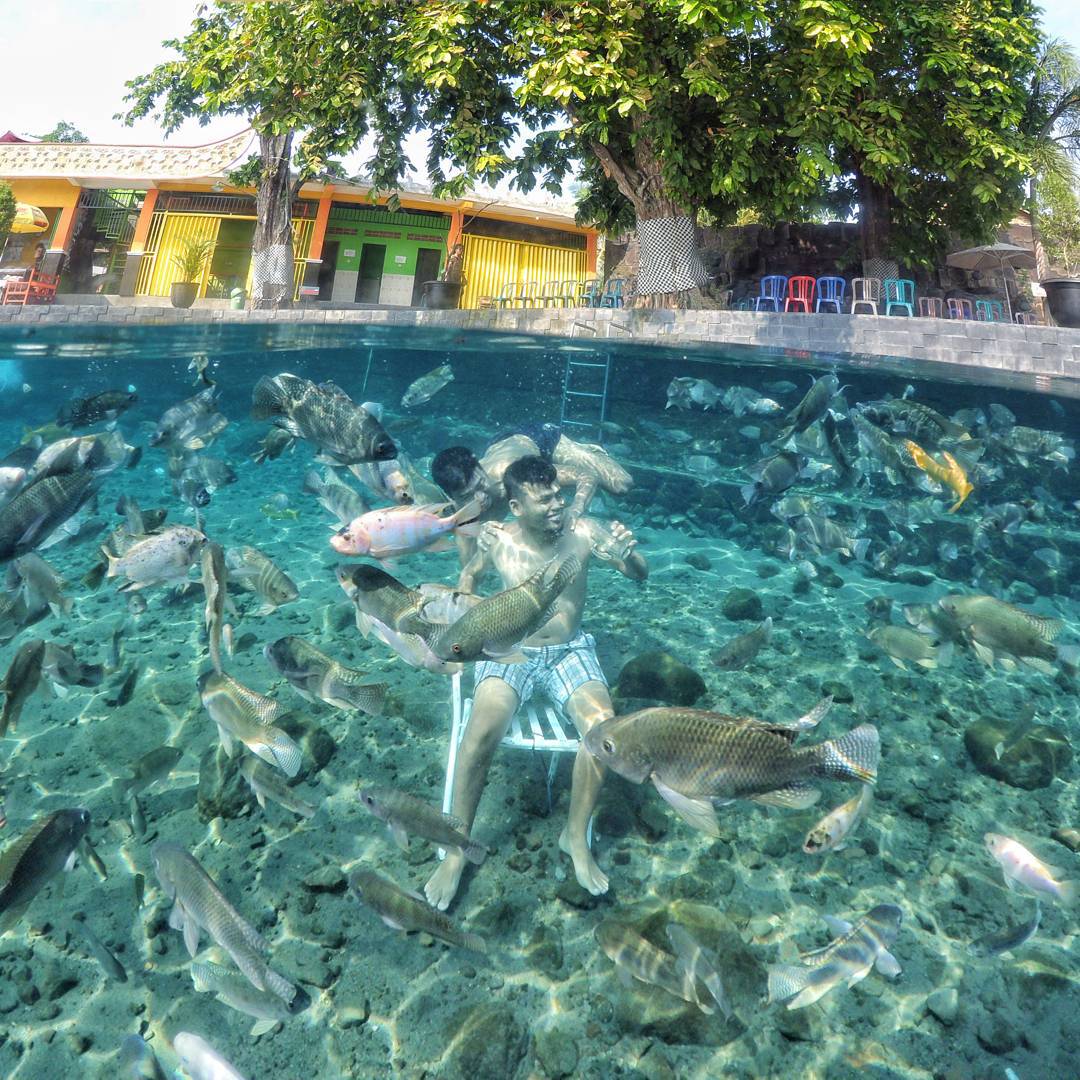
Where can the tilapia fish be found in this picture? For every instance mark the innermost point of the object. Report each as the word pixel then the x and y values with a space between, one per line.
pixel 316 676
pixel 215 585
pixel 158 559
pixel 97 454
pixel 739 651
pixel 266 783
pixel 1000 631
pixel 64 670
pixel 405 814
pixel 108 405
pixel 811 408
pixel 190 425
pixel 846 960
pixel 245 716
pixel 902 645
pixel 382 597
pixel 773 475
pixel 235 991
pixel 831 833
pixel 258 573
pixel 696 758
pixel 38 583
pixel 427 386
pixel 22 679
pixel 678 974
pixel 153 766
pixel 335 497
pixel 39 508
pixel 199 905
pixel 31 862
pixel 200 1060
pixel 403 530
pixel 345 432
pixel 407 911
pixel 499 623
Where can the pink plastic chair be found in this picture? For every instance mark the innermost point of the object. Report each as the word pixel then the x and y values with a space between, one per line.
pixel 800 291
pixel 931 307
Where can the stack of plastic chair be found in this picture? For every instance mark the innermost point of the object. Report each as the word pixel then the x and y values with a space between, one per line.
pixel 773 290
pixel 989 311
pixel 899 293
pixel 865 293
pixel 960 308
pixel 801 292
pixel 931 307
pixel 830 290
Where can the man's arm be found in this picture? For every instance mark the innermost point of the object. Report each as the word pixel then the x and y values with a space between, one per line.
pixel 615 544
pixel 585 484
pixel 481 560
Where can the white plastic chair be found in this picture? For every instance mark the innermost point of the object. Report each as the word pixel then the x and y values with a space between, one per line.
pixel 537 726
pixel 865 292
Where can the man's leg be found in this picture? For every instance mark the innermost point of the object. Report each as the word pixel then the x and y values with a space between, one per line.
pixel 494 705
pixel 588 705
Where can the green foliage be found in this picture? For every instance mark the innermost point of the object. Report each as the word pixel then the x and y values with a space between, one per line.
pixel 65 133
pixel 7 211
pixel 1059 221
pixel 192 257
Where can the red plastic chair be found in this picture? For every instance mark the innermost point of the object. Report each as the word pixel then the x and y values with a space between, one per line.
pixel 800 291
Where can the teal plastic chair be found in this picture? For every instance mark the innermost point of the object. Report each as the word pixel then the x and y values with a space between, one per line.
pixel 899 293
pixel 568 293
pixel 590 293
pixel 989 311
pixel 550 293
pixel 613 293
pixel 507 294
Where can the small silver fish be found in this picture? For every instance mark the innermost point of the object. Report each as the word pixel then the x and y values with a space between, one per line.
pixel 236 992
pixel 1009 939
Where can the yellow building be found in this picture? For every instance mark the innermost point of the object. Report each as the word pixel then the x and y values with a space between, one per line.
pixel 119 214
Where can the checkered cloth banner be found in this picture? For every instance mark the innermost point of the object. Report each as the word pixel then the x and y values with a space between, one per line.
pixel 668 256
pixel 273 267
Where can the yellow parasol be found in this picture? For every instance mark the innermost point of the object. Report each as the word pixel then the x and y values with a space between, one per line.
pixel 29 219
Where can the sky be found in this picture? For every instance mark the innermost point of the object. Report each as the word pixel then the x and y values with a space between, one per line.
pixel 78 75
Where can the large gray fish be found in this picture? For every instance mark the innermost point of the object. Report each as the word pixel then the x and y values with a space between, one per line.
pixel 407 911
pixel 108 405
pixel 235 991
pixel 823 535
pixel 811 408
pixel 773 475
pixel 739 651
pixel 879 451
pixel 382 597
pixel 22 679
pixel 845 961
pixel 427 386
pixel 258 573
pixel 696 758
pixel 266 783
pixel 678 974
pixel 325 415
pixel 97 454
pixel 335 497
pixel 1006 633
pixel 39 508
pixel 38 583
pixel 31 862
pixel 153 766
pixel 192 424
pixel 161 558
pixel 215 578
pixel 318 677
pixel 499 623
pixel 199 905
pixel 405 814
pixel 917 421
pixel 244 716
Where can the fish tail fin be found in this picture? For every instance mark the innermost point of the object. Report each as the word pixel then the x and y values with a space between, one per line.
pixel 749 493
pixel 860 548
pixel 313 483
pixel 474 942
pixel 200 978
pixel 110 562
pixel 945 653
pixel 1069 892
pixel 475 852
pixel 469 512
pixel 268 398
pixel 696 964
pixel 853 756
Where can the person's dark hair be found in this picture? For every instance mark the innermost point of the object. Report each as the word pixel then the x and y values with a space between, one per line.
pixel 453 468
pixel 528 470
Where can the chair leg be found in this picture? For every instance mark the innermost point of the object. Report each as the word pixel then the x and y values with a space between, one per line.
pixel 552 768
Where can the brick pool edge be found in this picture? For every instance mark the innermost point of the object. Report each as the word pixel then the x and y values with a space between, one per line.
pixel 1043 358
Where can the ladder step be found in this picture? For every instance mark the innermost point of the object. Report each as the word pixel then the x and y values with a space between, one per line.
pixel 581 393
pixel 583 363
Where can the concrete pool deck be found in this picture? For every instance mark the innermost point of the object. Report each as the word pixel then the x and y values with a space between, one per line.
pixel 1040 358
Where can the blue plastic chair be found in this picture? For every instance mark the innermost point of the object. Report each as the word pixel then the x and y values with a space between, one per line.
pixel 831 290
pixel 899 292
pixel 589 295
pixel 989 311
pixel 773 291
pixel 613 293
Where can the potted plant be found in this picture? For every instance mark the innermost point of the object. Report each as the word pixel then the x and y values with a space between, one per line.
pixel 444 293
pixel 190 261
pixel 1063 300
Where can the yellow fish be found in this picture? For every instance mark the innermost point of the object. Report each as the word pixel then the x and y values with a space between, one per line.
pixel 950 474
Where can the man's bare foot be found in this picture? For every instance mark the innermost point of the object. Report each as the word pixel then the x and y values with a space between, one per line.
pixel 590 876
pixel 442 886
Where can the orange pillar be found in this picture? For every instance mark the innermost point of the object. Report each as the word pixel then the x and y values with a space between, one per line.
pixel 590 253
pixel 65 227
pixel 318 234
pixel 142 226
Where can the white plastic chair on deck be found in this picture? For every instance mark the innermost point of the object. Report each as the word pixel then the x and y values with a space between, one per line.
pixel 537 725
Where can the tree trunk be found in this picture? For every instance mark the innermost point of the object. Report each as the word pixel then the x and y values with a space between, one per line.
pixel 1042 264
pixel 671 273
pixel 272 276
pixel 874 224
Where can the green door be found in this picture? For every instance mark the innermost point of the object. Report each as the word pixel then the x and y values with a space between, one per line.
pixel 368 284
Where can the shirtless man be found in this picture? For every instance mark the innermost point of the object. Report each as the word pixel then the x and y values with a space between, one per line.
pixel 560 658
pixel 582 466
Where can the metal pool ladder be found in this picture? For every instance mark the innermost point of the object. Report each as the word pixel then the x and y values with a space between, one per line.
pixel 585 408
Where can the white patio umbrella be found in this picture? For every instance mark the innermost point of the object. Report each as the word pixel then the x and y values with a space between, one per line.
pixel 994 257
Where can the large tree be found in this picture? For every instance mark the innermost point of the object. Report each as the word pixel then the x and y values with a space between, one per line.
pixel 312 78
pixel 64 132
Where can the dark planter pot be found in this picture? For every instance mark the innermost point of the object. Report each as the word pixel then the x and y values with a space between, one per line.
pixel 1063 300
pixel 442 295
pixel 183 293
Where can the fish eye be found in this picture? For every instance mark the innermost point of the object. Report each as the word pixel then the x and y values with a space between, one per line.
pixel 343 531
pixel 608 746
pixel 368 799
pixel 456 649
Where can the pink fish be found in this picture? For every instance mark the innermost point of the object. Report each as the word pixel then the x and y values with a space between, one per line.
pixel 401 530
pixel 1025 871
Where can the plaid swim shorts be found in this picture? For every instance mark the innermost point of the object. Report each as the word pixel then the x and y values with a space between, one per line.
pixel 558 670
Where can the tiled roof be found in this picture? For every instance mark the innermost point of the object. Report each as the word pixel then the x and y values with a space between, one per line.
pixel 88 161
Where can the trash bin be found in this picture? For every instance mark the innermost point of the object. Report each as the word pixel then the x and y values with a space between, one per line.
pixel 236 299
